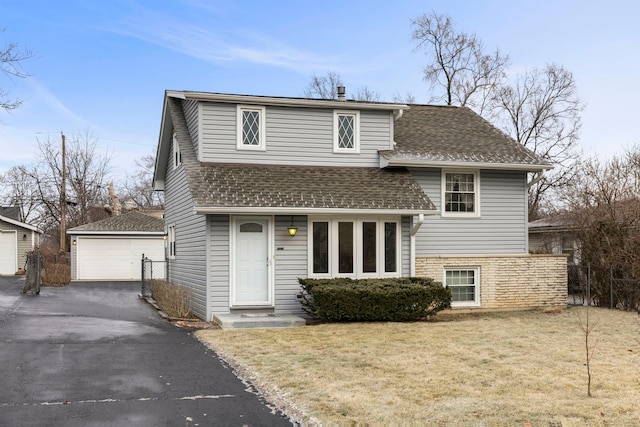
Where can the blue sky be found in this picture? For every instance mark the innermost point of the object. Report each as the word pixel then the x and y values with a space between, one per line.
pixel 104 65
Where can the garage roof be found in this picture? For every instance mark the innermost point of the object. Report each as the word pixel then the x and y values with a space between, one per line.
pixel 133 222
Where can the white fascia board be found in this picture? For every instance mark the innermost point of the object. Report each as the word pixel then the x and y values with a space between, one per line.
pixel 282 101
pixel 116 233
pixel 308 211
pixel 20 224
pixel 162 150
pixel 462 165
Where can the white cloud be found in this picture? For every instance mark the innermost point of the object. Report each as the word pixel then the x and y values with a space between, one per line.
pixel 42 95
pixel 214 47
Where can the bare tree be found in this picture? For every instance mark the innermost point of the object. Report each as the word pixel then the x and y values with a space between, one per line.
pixel 87 177
pixel 326 87
pixel 408 98
pixel 604 206
pixel 365 94
pixel 18 188
pixel 138 188
pixel 460 71
pixel 11 58
pixel 541 110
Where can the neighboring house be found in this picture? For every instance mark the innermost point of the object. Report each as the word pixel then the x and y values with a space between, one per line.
pixel 554 235
pixel 16 239
pixel 112 249
pixel 366 190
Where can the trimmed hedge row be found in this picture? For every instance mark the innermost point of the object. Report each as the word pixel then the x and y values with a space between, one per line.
pixel 396 300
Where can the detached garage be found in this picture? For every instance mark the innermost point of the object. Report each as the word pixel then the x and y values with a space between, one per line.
pixel 112 249
pixel 16 239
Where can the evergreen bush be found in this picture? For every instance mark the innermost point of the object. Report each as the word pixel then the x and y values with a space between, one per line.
pixel 392 299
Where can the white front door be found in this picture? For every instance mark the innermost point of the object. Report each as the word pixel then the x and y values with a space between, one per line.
pixel 252 262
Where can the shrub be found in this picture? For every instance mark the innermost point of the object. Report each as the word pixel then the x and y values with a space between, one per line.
pixel 174 300
pixel 394 300
pixel 56 268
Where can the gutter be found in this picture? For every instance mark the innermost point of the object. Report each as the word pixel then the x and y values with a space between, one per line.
pixel 385 162
pixel 417 226
pixel 412 239
pixel 271 210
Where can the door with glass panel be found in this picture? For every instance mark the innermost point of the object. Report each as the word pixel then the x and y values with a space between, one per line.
pixel 252 264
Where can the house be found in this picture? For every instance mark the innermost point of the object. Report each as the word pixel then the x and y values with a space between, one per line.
pixel 554 235
pixel 16 239
pixel 260 191
pixel 112 249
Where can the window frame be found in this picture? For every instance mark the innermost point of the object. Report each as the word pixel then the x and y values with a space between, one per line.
pixel 171 241
pixel 476 284
pixel 177 154
pixel 358 250
pixel 261 110
pixel 356 131
pixel 476 192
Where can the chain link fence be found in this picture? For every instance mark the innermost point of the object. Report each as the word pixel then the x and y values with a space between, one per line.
pixel 603 287
pixel 151 270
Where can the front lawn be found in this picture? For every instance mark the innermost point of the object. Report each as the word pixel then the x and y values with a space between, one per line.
pixel 515 368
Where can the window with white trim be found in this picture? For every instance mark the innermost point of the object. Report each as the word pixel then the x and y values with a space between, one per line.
pixel 177 155
pixel 346 131
pixel 171 241
pixel 251 128
pixel 464 285
pixel 360 247
pixel 460 193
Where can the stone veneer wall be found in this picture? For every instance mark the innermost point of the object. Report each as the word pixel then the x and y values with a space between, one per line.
pixel 508 281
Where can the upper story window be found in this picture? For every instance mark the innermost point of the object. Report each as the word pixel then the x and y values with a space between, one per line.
pixel 251 128
pixel 177 155
pixel 460 193
pixel 346 131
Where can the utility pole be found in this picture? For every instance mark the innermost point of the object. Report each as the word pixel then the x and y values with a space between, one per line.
pixel 63 201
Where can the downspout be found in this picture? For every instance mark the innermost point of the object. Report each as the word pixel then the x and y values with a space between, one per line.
pixel 537 177
pixel 412 239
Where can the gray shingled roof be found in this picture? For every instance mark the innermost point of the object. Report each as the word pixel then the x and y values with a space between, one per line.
pixel 454 134
pixel 133 221
pixel 12 212
pixel 241 186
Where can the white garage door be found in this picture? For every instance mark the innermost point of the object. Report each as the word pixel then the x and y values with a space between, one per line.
pixel 8 250
pixel 116 259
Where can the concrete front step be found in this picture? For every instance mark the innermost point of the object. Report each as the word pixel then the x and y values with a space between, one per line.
pixel 249 320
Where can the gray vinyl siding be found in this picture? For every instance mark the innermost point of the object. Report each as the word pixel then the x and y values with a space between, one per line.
pixel 219 263
pixel 294 136
pixel 189 266
pixel 23 245
pixel 191 115
pixel 501 227
pixel 290 263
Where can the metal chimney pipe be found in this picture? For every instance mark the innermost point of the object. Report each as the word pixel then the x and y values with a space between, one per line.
pixel 341 92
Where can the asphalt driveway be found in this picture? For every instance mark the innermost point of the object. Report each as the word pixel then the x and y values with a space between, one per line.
pixel 93 354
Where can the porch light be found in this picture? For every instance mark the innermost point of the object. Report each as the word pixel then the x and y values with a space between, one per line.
pixel 292 229
pixel 75 242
